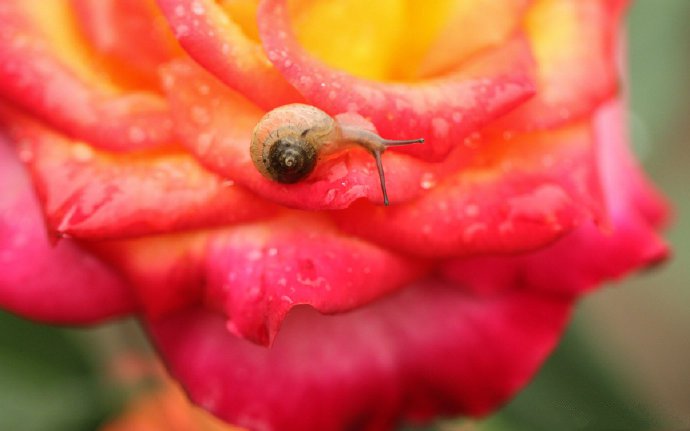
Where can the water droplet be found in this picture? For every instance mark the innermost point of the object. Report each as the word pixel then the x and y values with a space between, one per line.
pixel 197 8
pixel 200 115
pixel 428 181
pixel 204 89
pixel 254 255
pixel 181 30
pixel 330 195
pixel 472 210
pixel 440 127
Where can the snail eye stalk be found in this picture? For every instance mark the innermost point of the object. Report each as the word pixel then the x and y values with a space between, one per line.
pixel 379 164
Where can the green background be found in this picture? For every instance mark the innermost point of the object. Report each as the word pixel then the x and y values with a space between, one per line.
pixel 624 364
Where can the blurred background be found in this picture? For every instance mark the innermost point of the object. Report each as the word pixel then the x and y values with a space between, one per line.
pixel 624 364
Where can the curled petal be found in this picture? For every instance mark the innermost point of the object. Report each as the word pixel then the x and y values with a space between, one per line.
pixel 518 194
pixel 575 46
pixel 256 273
pixel 449 47
pixel 61 86
pixel 257 276
pixel 88 193
pixel 589 255
pixel 58 283
pixel 428 350
pixel 221 47
pixel 444 111
pixel 114 27
pixel 216 125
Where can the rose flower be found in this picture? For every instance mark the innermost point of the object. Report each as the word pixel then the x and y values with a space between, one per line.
pixel 276 285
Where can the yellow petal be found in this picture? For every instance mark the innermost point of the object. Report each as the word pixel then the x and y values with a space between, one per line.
pixel 166 410
pixel 359 36
pixel 467 27
pixel 243 13
pixel 55 22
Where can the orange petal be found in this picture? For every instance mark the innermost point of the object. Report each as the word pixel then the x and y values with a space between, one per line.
pixel 166 409
pixel 130 35
pixel 221 46
pixel 575 45
pixel 88 193
pixel 46 71
pixel 465 31
pixel 517 195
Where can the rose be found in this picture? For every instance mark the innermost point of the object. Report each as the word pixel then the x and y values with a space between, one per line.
pixel 523 197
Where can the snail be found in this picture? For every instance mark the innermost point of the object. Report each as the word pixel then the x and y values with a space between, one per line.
pixel 289 140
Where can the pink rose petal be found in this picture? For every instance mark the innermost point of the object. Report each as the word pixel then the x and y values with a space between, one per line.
pixel 590 255
pixel 255 273
pixel 518 194
pixel 57 283
pixel 432 349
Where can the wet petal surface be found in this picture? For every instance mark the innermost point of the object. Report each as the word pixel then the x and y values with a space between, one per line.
pixel 444 111
pixel 93 194
pixel 221 46
pixel 430 349
pixel 254 274
pixel 46 72
pixel 57 283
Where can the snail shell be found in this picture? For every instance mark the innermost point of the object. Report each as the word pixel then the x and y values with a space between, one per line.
pixel 288 140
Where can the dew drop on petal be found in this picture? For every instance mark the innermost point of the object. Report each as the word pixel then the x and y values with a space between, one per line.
pixel 428 181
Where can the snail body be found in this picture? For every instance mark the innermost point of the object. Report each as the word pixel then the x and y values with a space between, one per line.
pixel 289 140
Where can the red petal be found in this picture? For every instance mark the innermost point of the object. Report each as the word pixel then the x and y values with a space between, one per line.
pixel 220 46
pixel 431 349
pixel 628 193
pixel 589 255
pixel 55 283
pixel 35 78
pixel 518 194
pixel 216 125
pixel 575 45
pixel 443 111
pixel 90 194
pixel 255 274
